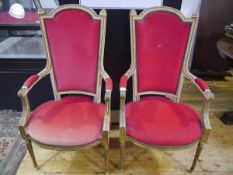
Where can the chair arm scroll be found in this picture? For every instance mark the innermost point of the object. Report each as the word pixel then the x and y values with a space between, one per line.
pixel 27 85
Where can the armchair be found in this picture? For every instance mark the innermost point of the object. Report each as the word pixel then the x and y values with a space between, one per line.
pixel 161 42
pixel 74 41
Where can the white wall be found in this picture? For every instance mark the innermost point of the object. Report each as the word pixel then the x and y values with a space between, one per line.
pixel 49 3
pixel 121 4
pixel 188 7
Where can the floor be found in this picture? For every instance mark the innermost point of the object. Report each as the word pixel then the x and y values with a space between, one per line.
pixel 216 158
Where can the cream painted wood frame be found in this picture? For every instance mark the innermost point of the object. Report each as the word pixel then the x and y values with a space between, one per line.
pixel 208 95
pixel 101 75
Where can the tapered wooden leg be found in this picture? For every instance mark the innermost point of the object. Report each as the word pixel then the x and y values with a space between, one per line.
pixel 31 152
pixel 122 154
pixel 29 145
pixel 200 145
pixel 106 149
pixel 122 140
pixel 198 152
pixel 106 159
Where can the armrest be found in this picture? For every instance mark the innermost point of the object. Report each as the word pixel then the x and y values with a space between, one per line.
pixel 123 82
pixel 27 85
pixel 207 94
pixel 30 81
pixel 22 93
pixel 109 84
pixel 201 85
pixel 108 87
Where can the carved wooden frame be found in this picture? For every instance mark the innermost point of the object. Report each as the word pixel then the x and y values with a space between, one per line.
pixel 101 74
pixel 132 72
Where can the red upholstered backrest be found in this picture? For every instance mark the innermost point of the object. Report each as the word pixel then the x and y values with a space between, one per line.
pixel 73 38
pixel 161 39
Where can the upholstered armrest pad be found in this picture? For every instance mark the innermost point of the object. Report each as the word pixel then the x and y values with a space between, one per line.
pixel 123 81
pixel 109 84
pixel 30 81
pixel 202 84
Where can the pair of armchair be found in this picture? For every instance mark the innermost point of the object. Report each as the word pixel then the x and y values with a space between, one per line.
pixel 161 42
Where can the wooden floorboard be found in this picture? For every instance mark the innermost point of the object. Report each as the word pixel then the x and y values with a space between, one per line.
pixel 216 157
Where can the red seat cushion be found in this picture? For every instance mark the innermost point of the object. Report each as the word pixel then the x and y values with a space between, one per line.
pixel 67 122
pixel 161 122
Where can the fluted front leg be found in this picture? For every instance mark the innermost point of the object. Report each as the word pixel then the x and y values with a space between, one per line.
pixel 106 151
pixel 122 148
pixel 31 152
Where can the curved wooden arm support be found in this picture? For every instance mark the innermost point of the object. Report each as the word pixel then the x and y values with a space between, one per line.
pixel 123 87
pixel 122 125
pixel 108 92
pixel 122 109
pixel 25 108
pixel 208 96
pixel 122 116
pixel 23 94
pixel 107 116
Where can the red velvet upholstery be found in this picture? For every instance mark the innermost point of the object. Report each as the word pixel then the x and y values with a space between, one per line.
pixel 74 45
pixel 30 81
pixel 202 84
pixel 161 39
pixel 67 122
pixel 109 84
pixel 159 121
pixel 123 81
